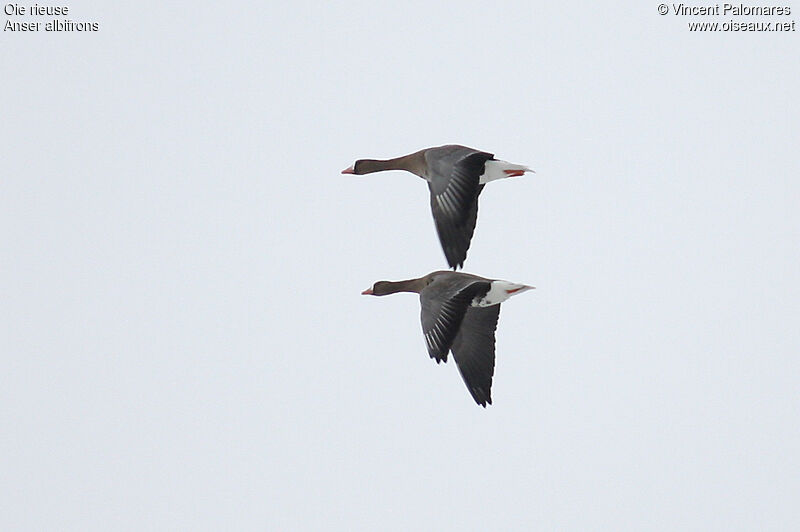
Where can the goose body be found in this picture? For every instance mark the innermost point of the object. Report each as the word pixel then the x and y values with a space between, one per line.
pixel 456 176
pixel 459 315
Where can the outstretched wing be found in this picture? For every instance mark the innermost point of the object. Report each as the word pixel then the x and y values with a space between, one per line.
pixel 454 175
pixel 473 351
pixel 444 303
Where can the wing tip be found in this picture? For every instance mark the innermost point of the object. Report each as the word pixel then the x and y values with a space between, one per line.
pixel 480 397
pixel 438 357
pixel 455 260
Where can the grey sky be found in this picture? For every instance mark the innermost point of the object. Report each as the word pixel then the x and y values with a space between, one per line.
pixel 184 346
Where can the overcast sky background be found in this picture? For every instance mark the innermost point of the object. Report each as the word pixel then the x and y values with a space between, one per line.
pixel 184 346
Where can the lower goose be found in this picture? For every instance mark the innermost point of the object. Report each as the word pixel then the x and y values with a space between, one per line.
pixel 459 314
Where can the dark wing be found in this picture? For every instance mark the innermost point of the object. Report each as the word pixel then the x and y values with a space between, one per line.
pixel 472 218
pixel 473 351
pixel 444 303
pixel 454 175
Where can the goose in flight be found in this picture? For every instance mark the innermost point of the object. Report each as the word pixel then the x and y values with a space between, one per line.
pixel 459 315
pixel 456 176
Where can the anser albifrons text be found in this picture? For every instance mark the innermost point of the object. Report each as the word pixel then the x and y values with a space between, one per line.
pixel 456 176
pixel 459 314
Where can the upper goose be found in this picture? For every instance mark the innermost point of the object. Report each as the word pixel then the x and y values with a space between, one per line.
pixel 456 176
pixel 459 314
